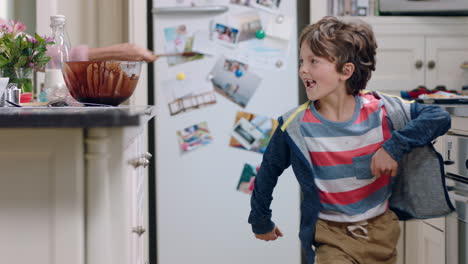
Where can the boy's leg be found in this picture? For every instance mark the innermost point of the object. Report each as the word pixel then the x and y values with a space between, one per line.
pixel 336 244
pixel 327 254
pixel 331 244
pixel 383 233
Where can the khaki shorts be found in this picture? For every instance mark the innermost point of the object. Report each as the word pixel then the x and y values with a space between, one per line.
pixel 366 242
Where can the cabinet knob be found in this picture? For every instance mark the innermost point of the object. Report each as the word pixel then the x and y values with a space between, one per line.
pixel 139 162
pixel 418 64
pixel 139 230
pixel 431 64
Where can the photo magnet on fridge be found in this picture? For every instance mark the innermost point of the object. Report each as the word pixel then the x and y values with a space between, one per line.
pixel 241 2
pixel 224 34
pixel 246 133
pixel 193 137
pixel 233 80
pixel 248 23
pixel 192 92
pixel 247 179
pixel 179 40
pixel 252 132
pixel 267 5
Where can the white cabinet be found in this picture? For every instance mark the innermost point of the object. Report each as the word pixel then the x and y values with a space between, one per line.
pixel 41 196
pixel 404 62
pixel 425 241
pixel 74 196
pixel 117 196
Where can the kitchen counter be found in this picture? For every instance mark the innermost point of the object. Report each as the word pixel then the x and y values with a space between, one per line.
pixel 457 110
pixel 73 184
pixel 69 117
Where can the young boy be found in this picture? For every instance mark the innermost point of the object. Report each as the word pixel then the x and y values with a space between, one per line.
pixel 354 154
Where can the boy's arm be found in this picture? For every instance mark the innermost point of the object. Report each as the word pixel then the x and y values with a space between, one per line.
pixel 427 123
pixel 275 160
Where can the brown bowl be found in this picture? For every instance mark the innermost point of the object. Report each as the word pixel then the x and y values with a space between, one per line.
pixel 101 82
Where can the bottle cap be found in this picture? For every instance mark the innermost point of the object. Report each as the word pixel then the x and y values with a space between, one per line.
pixel 57 19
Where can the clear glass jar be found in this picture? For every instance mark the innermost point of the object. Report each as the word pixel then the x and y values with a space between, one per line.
pixel 54 84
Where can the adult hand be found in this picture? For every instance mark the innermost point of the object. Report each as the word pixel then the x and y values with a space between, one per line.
pixel 383 164
pixel 272 235
pixel 122 51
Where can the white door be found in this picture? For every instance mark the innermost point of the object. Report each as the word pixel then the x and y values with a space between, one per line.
pixel 398 59
pixel 446 54
pixel 201 217
pixel 433 245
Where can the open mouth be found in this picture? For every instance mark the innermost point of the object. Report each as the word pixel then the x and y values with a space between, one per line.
pixel 310 83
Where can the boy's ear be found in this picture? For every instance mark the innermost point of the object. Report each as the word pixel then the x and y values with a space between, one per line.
pixel 347 71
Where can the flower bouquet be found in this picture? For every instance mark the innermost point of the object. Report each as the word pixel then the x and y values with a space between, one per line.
pixel 21 54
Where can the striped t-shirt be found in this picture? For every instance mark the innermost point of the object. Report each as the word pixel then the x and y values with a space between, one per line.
pixel 341 155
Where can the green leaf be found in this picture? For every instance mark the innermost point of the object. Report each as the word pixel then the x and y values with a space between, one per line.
pixel 21 62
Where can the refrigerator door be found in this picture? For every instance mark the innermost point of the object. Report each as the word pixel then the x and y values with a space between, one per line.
pixel 201 217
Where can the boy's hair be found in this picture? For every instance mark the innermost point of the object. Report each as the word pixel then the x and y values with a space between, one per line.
pixel 342 42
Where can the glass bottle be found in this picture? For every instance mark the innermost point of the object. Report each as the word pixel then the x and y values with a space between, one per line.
pixel 54 84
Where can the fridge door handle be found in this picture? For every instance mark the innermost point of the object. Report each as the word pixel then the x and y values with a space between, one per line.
pixel 202 10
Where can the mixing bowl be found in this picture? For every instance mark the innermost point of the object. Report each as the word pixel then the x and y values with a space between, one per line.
pixel 101 82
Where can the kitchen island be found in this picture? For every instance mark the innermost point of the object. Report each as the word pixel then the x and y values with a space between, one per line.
pixel 73 185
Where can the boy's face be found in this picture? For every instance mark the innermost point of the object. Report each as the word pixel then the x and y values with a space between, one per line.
pixel 319 75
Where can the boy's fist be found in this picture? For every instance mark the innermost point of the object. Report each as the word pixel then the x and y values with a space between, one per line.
pixel 383 164
pixel 272 235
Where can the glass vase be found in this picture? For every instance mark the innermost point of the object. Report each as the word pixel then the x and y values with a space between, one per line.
pixel 23 78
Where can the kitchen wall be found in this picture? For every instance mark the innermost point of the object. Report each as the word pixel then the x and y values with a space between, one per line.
pixel 23 10
pixel 91 22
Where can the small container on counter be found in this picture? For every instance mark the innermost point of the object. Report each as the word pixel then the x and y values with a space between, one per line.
pixel 13 94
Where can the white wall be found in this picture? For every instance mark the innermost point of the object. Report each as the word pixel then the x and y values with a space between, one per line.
pixel 91 22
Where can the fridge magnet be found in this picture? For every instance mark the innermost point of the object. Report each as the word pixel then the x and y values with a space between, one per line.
pixel 178 40
pixel 226 35
pixel 187 93
pixel 233 80
pixel 193 137
pixel 267 5
pixel 249 24
pixel 252 132
pixel 247 178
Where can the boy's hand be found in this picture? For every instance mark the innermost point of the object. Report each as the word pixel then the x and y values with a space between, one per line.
pixel 383 164
pixel 272 235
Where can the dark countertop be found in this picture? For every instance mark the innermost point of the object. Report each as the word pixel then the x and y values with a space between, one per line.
pixel 67 117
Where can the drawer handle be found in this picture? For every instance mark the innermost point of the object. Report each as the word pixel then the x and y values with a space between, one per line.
pixel 147 155
pixel 139 230
pixel 449 162
pixel 139 162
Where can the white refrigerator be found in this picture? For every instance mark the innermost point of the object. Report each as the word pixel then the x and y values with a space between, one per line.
pixel 201 217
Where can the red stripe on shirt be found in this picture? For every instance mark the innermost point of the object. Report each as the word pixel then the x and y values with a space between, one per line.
pixel 367 110
pixel 341 157
pixel 350 197
pixel 309 117
pixel 385 127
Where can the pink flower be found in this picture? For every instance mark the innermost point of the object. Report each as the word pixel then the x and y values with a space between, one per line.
pixel 32 40
pixel 19 27
pixel 49 39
